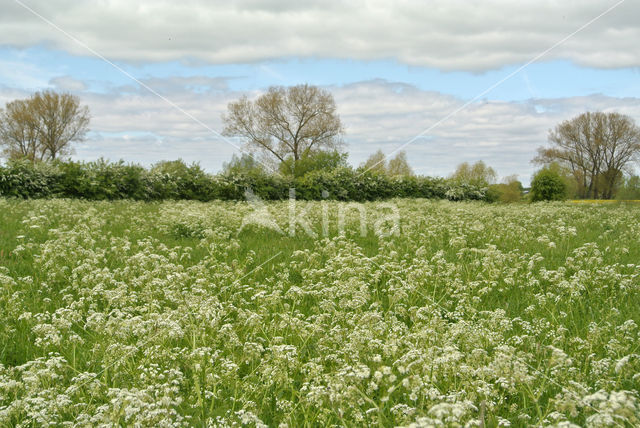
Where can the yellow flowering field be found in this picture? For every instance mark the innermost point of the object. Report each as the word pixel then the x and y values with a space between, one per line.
pixel 399 313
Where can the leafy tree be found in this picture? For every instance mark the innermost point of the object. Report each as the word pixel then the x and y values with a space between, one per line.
pixel 548 185
pixel 43 126
pixel 284 123
pixel 316 161
pixel 376 163
pixel 510 190
pixel 572 186
pixel 478 174
pixel 176 168
pixel 629 189
pixel 397 166
pixel 243 164
pixel 596 148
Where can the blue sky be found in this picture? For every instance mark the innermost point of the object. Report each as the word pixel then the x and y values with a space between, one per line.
pixel 394 71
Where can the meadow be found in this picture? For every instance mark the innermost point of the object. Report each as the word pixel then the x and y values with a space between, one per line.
pixel 459 314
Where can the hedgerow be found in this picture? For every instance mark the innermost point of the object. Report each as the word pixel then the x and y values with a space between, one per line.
pixel 103 180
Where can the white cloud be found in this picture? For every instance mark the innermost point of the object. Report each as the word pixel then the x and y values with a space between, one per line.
pixel 20 74
pixel 444 34
pixel 67 83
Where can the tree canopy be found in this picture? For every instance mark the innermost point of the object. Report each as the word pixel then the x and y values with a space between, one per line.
pixel 478 174
pixel 319 160
pixel 596 148
pixel 286 123
pixel 243 164
pixel 548 185
pixel 397 166
pixel 43 126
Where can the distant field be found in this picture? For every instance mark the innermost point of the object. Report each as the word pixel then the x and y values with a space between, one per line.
pixel 605 201
pixel 438 314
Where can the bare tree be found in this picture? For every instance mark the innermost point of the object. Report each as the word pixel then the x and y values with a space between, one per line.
pixel 596 148
pixel 286 123
pixel 622 145
pixel 62 120
pixel 19 131
pixel 43 126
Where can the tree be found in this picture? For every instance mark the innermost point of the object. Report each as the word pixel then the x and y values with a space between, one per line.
pixel 286 123
pixel 61 120
pixel 596 148
pixel 548 185
pixel 174 168
pixel 318 160
pixel 397 166
pixel 478 174
pixel 244 164
pixel 510 190
pixel 629 189
pixel 19 132
pixel 375 163
pixel 43 126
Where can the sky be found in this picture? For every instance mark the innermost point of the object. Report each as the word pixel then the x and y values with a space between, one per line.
pixel 447 81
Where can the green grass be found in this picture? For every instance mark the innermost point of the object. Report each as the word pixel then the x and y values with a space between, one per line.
pixel 168 313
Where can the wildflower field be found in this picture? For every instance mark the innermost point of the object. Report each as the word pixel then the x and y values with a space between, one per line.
pixel 448 314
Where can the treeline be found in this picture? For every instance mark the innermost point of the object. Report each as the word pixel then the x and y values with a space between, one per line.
pixel 103 180
pixel 591 156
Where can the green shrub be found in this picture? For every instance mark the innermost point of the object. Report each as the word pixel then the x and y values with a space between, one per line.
pixel 548 185
pixel 24 179
pixel 505 192
pixel 629 188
